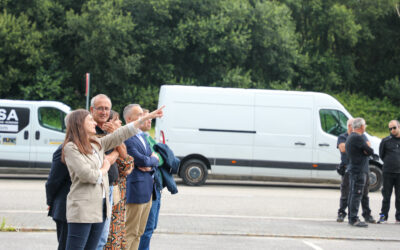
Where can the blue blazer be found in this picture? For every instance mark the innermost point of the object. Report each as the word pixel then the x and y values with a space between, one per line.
pixel 57 187
pixel 140 185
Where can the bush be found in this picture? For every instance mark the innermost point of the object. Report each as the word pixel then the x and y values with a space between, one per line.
pixel 376 112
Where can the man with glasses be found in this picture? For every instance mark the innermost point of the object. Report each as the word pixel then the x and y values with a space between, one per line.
pixel 344 186
pixel 100 107
pixel 389 151
pixel 358 153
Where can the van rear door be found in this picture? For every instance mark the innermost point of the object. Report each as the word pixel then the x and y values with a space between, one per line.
pixel 15 130
pixel 284 127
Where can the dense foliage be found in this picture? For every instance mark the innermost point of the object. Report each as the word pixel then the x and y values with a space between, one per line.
pixel 348 48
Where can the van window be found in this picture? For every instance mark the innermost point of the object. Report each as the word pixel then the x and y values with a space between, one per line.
pixel 333 122
pixel 52 118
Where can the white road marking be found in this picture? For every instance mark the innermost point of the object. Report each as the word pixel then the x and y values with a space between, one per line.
pixel 312 245
pixel 194 215
pixel 23 211
pixel 246 217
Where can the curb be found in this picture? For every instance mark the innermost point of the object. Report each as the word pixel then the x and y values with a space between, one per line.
pixel 35 230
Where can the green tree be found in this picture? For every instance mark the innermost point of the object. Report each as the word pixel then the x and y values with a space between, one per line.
pixel 102 45
pixel 21 51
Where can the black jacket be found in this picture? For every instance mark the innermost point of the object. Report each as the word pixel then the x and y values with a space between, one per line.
pixel 57 187
pixel 113 171
pixel 357 151
pixel 389 151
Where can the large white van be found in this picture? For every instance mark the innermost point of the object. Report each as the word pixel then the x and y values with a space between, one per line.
pixel 30 132
pixel 255 133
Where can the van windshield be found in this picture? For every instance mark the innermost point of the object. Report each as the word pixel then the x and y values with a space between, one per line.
pixel 333 122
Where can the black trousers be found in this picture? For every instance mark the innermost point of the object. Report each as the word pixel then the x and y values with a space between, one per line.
pixel 390 181
pixel 344 196
pixel 357 185
pixel 62 233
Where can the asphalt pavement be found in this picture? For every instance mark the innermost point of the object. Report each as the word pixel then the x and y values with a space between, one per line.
pixel 219 215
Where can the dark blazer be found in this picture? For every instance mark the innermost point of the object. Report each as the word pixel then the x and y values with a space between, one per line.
pixel 57 187
pixel 140 185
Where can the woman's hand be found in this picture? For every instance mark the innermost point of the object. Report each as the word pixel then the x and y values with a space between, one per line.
pixel 106 166
pixel 122 151
pixel 156 113
pixel 129 171
pixel 109 127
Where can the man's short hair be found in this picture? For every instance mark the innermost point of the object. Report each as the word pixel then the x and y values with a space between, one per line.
pixel 128 110
pixel 350 121
pixel 397 122
pixel 93 100
pixel 358 123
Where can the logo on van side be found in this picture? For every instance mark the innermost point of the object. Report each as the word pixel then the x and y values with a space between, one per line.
pixel 13 120
pixel 11 116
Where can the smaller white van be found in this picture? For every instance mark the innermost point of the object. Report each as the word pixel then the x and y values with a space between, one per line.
pixel 255 133
pixel 30 132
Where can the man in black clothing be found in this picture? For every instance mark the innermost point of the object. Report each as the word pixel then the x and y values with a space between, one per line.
pixel 57 188
pixel 357 152
pixel 344 186
pixel 389 151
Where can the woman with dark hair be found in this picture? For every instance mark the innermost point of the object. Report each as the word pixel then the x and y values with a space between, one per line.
pixel 83 153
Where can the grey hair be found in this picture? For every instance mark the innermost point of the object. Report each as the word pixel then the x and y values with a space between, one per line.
pixel 358 123
pixel 128 110
pixel 350 121
pixel 93 100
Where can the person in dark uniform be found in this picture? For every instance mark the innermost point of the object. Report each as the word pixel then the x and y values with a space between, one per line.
pixel 389 151
pixel 57 188
pixel 357 151
pixel 344 186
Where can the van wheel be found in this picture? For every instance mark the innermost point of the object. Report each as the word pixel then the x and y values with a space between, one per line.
pixel 194 172
pixel 375 178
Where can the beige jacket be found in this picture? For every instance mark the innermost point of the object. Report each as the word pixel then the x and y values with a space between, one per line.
pixel 85 198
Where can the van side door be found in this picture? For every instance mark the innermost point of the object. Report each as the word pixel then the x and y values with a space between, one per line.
pixel 48 134
pixel 283 142
pixel 332 123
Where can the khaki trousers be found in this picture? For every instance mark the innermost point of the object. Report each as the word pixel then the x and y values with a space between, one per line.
pixel 136 220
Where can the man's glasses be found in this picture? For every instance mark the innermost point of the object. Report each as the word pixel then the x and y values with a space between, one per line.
pixel 102 109
pixel 392 128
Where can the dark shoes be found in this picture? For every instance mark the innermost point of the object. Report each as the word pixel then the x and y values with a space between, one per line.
pixel 340 217
pixel 358 223
pixel 370 219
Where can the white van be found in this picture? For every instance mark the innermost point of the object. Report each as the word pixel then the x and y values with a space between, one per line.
pixel 30 132
pixel 255 133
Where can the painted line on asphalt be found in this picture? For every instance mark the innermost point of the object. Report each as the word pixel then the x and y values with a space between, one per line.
pixel 23 211
pixel 269 235
pixel 312 245
pixel 246 217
